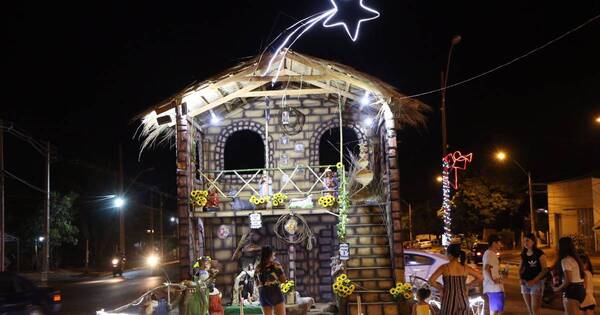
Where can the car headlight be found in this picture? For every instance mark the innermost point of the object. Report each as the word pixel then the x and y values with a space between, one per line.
pixel 152 261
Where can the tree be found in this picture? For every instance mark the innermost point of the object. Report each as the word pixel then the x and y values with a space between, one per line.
pixel 63 231
pixel 484 202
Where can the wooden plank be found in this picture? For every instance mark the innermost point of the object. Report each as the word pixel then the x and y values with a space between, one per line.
pixel 285 92
pixel 239 93
pixel 245 213
pixel 285 78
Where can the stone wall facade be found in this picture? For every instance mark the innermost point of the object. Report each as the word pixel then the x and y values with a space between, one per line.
pixel 312 266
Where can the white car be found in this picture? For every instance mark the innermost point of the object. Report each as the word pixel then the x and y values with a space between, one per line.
pixel 421 264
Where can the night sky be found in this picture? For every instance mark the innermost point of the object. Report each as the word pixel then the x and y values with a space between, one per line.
pixel 77 73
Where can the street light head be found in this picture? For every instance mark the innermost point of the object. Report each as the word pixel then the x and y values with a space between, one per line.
pixel 119 202
pixel 501 156
pixel 456 39
pixel 439 179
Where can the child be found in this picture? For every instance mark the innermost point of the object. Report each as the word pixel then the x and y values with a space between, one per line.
pixel 422 307
pixel 589 303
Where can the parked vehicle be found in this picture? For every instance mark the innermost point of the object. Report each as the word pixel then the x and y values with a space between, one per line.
pixel 421 264
pixel 424 244
pixel 18 295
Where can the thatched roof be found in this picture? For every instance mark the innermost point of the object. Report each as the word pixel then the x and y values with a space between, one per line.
pixel 307 75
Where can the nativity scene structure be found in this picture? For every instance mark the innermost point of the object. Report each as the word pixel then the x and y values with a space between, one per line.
pixel 302 158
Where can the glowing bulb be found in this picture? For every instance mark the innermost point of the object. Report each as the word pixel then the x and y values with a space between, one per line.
pixel 172 219
pixel 119 202
pixel 501 156
pixel 439 179
pixel 41 239
pixel 365 99
pixel 214 119
pixel 368 121
pixel 598 120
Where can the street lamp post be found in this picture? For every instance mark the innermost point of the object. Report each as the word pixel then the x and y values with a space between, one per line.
pixel 501 156
pixel 444 76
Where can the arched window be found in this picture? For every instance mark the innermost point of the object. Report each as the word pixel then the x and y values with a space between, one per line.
pixel 329 146
pixel 244 149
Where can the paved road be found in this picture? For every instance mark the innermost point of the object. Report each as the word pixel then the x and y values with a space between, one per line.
pixel 89 295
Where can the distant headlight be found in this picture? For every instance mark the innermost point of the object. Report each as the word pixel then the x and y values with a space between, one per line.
pixel 152 261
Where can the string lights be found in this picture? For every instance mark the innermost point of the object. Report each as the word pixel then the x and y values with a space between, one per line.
pixel 451 163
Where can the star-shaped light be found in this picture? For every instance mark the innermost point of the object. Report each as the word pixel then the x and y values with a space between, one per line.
pixel 341 9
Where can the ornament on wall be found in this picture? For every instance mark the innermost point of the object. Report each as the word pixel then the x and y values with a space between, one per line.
pixel 285 117
pixel 255 221
pixel 284 139
pixel 223 232
pixel 344 251
pixel 283 159
pixel 291 226
pixel 299 147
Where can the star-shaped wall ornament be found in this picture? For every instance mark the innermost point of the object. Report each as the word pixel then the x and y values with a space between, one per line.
pixel 343 12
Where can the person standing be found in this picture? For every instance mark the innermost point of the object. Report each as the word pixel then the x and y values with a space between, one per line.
pixel 589 303
pixel 492 282
pixel 455 298
pixel 572 276
pixel 532 272
pixel 269 275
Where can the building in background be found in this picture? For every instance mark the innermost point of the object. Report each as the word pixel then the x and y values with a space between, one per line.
pixel 574 210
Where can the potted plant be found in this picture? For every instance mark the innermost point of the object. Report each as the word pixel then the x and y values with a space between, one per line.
pixel 403 295
pixel 288 288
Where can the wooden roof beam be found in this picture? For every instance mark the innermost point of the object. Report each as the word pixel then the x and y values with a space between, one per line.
pixel 227 98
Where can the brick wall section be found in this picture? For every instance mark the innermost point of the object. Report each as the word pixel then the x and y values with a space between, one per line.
pixel 320 116
pixel 312 267
pixel 183 191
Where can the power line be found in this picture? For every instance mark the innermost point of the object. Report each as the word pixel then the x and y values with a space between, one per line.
pixel 563 35
pixel 24 182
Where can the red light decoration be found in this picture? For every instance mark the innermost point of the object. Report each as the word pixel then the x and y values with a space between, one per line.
pixel 457 162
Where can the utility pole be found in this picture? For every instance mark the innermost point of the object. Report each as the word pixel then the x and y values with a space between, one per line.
pixel 121 210
pixel 531 210
pixel 1 197
pixel 152 220
pixel 160 208
pixel 46 244
pixel 410 222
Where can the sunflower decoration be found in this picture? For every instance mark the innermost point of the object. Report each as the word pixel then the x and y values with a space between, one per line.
pixel 279 199
pixel 402 291
pixel 199 198
pixel 287 286
pixel 259 200
pixel 327 201
pixel 343 286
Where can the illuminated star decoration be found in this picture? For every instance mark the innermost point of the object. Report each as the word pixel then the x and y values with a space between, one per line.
pixel 455 162
pixel 331 18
